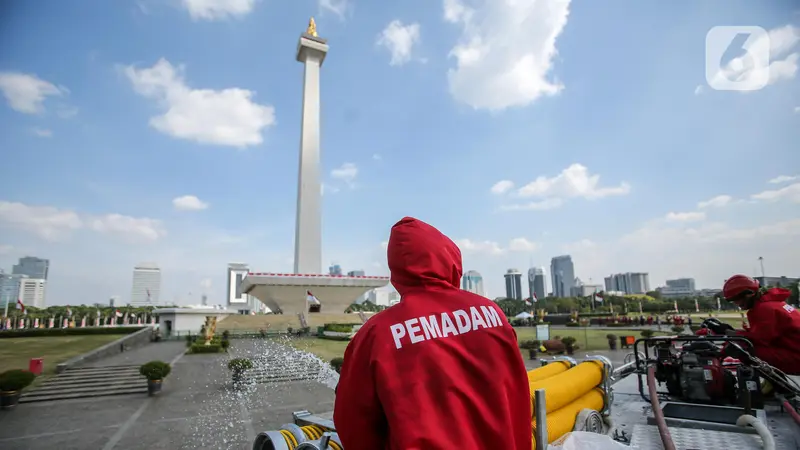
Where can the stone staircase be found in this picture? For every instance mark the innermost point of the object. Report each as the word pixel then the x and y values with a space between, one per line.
pixel 83 382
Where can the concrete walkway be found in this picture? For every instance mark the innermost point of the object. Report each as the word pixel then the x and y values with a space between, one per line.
pixel 155 351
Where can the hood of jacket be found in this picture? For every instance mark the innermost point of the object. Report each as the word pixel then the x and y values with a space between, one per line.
pixel 775 295
pixel 419 255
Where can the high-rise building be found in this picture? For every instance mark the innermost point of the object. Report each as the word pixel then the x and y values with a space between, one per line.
pixel 562 274
pixel 629 282
pixel 472 281
pixel 9 289
pixel 513 284
pixel 32 267
pixel 335 270
pixel 682 283
pixel 32 292
pixel 146 289
pixel 356 273
pixel 536 283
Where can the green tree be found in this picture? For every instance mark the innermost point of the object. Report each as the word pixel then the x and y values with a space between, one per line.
pixel 794 298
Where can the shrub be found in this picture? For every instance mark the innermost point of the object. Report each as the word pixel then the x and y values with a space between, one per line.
pixel 677 329
pixel 44 332
pixel 155 370
pixel 335 338
pixel 340 327
pixel 530 344
pixel 289 330
pixel 225 344
pixel 226 335
pixel 611 337
pixel 15 380
pixel 573 324
pixel 647 333
pixel 262 332
pixel 240 364
pixel 617 325
pixel 568 341
pixel 337 363
pixel 202 348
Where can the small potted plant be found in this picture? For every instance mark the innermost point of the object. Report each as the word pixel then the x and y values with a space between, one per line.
pixel 226 335
pixel 337 363
pixel 569 344
pixel 12 382
pixel 612 341
pixel 155 372
pixel 532 346
pixel 238 366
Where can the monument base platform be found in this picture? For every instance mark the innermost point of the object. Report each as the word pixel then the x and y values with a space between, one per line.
pixel 288 293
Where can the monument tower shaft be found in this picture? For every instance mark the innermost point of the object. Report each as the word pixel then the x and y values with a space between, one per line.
pixel 311 51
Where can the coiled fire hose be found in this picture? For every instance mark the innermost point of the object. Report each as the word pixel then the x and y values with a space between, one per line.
pixel 762 430
pixel 666 438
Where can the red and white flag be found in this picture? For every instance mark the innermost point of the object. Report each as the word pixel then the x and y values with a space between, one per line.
pixel 675 304
pixel 696 306
pixel 117 313
pixel 534 298
pixel 311 298
pixel 69 311
pixel 21 306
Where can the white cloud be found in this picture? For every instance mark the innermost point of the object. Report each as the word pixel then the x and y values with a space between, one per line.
pixel 400 40
pixel 782 64
pixel 522 245
pixel 26 93
pixel 698 90
pixel 685 216
pixel 797 109
pixel 338 7
pixel 346 173
pixel 541 205
pixel 502 186
pixel 573 182
pixel 327 188
pixel 784 179
pixel 42 132
pixel 52 223
pixel 376 157
pixel 5 249
pixel 488 247
pixel 189 203
pixel 227 117
pixel 505 53
pixel 789 193
pixel 218 9
pixel 715 202
pixel 127 227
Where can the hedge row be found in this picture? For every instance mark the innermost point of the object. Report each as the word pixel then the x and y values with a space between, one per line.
pixel 202 348
pixel 340 327
pixel 43 332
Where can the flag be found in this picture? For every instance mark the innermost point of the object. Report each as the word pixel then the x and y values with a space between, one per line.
pixel 640 308
pixel 718 305
pixel 69 311
pixel 528 301
pixel 675 304
pixel 117 313
pixel 696 306
pixel 20 306
pixel 311 299
pixel 533 297
pixel 51 322
pixel 83 322
pixel 36 323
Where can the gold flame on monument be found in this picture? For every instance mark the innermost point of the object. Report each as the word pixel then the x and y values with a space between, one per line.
pixel 312 27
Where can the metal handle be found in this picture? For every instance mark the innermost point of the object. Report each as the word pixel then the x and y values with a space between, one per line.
pixel 541 419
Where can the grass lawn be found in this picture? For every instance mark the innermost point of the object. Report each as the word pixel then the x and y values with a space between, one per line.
pixel 15 353
pixel 324 348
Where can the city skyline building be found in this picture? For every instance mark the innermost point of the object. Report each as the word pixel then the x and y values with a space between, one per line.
pixel 562 274
pixel 146 286
pixel 513 284
pixel 32 267
pixel 356 273
pixel 9 289
pixel 472 281
pixel 628 282
pixel 537 283
pixel 32 292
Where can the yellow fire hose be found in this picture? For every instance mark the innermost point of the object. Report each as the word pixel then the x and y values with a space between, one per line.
pixel 311 432
pixel 569 385
pixel 545 372
pixel 562 420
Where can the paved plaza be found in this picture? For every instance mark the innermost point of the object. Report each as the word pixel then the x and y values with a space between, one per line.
pixel 196 409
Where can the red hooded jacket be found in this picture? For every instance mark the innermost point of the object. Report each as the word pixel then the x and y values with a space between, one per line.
pixel 440 370
pixel 775 330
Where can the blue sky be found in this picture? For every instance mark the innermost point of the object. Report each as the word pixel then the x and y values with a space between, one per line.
pixel 486 120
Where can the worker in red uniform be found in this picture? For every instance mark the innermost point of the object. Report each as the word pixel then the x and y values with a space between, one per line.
pixel 441 370
pixel 774 325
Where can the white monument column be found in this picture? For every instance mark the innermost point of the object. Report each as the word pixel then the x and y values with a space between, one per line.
pixel 311 51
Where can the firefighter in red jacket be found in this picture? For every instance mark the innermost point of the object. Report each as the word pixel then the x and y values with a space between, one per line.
pixel 774 325
pixel 439 359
